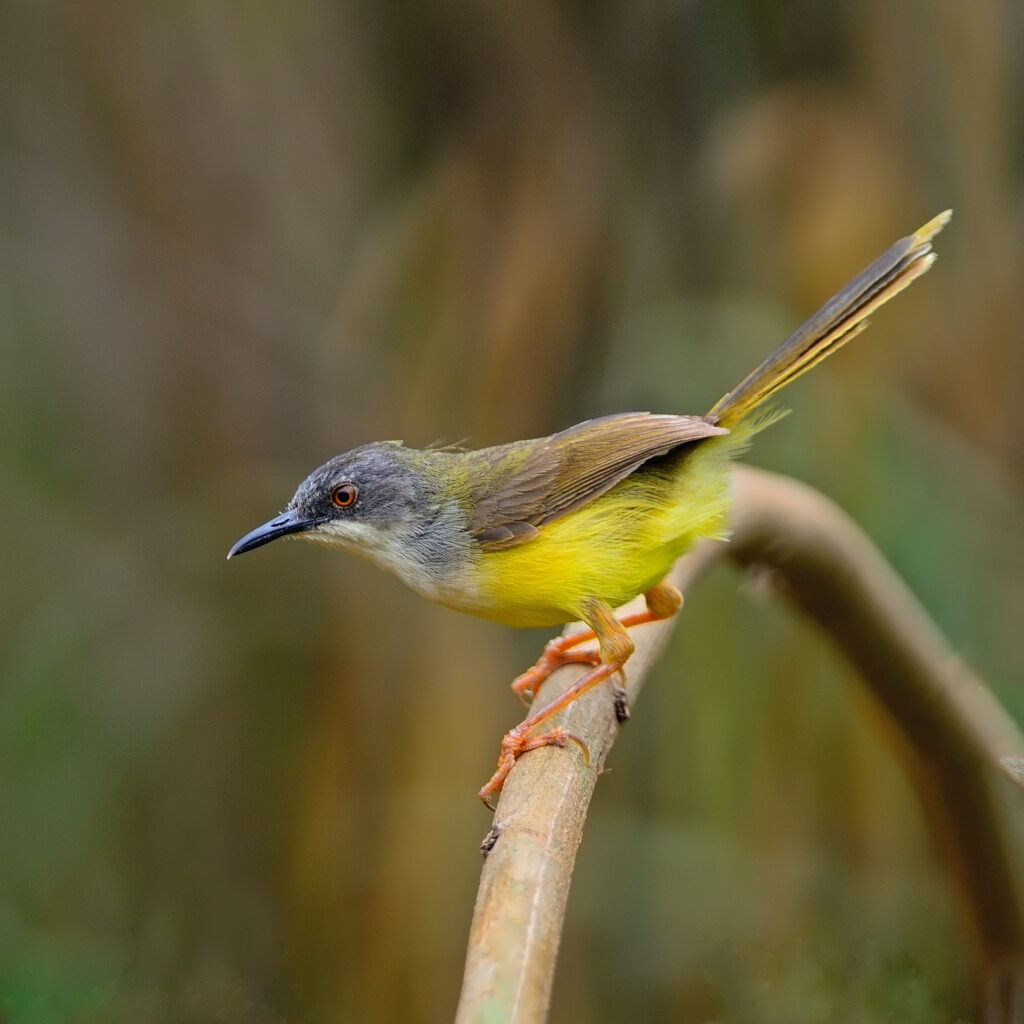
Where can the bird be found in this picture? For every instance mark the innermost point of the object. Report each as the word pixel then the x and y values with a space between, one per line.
pixel 569 527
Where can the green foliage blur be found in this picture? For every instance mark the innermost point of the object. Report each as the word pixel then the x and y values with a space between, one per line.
pixel 238 238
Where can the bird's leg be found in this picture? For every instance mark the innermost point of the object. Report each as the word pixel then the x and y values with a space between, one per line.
pixel 663 601
pixel 557 652
pixel 616 646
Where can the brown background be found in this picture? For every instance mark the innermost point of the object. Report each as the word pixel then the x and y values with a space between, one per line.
pixel 238 238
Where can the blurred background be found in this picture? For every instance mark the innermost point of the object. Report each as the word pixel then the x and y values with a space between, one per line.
pixel 238 238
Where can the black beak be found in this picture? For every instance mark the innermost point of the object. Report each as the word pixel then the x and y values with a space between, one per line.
pixel 284 524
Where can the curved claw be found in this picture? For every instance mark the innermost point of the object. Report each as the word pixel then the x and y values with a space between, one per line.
pixel 569 737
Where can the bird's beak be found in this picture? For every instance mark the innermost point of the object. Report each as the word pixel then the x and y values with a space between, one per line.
pixel 287 522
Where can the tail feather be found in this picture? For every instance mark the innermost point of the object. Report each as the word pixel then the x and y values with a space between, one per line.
pixel 841 318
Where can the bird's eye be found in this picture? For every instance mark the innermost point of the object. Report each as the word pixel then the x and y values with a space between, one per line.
pixel 345 495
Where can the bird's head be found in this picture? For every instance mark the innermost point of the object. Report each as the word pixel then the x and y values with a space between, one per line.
pixel 365 500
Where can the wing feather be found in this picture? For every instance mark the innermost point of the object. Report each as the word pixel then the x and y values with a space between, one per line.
pixel 574 467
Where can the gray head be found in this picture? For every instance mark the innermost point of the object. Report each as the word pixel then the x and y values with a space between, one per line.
pixel 365 499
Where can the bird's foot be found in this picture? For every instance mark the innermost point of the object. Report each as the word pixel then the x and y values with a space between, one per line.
pixel 522 738
pixel 557 653
pixel 515 744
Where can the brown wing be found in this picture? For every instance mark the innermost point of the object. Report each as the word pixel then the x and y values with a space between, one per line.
pixel 574 467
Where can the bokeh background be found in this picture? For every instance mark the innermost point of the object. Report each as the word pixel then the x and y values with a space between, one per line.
pixel 238 238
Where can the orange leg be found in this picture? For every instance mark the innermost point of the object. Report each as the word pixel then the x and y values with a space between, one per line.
pixel 663 601
pixel 615 648
pixel 518 742
pixel 557 653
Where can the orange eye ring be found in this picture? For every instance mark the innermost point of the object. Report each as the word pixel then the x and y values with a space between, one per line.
pixel 345 495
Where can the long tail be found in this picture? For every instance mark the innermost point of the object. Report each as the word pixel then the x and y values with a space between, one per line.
pixel 841 318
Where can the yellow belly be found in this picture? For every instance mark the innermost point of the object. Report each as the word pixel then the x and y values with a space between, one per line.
pixel 613 548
